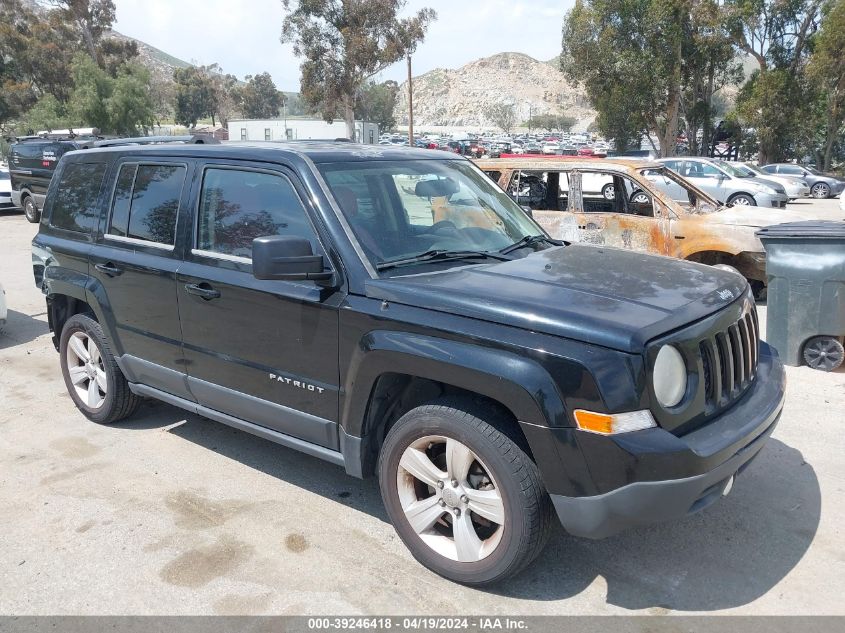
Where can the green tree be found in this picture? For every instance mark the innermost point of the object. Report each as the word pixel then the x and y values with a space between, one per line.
pixel 708 64
pixel 628 55
pixel 91 19
pixel 259 98
pixel 776 101
pixel 551 122
pixel 826 71
pixel 377 103
pixel 345 43
pixel 47 114
pixel 116 105
pixel 194 95
pixel 503 116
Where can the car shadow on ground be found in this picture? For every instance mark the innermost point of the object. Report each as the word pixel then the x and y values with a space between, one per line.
pixel 21 328
pixel 724 557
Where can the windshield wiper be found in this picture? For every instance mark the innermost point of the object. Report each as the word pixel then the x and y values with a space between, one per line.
pixel 530 240
pixel 440 255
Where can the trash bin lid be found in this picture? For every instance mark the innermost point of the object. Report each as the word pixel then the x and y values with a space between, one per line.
pixel 817 229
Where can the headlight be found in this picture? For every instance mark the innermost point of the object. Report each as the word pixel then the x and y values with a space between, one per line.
pixel 669 376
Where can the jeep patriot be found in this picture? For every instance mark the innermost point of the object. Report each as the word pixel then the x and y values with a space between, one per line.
pixel 392 311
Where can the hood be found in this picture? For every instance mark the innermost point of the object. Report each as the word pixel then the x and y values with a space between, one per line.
pixel 756 217
pixel 610 297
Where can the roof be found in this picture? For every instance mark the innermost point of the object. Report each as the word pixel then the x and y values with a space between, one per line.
pixel 573 162
pixel 317 151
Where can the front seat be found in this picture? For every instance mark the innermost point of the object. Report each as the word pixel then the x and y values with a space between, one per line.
pixel 348 202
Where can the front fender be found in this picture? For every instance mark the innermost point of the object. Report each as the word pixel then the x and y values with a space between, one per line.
pixel 518 383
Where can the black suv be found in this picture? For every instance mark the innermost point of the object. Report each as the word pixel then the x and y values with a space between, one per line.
pixel 392 311
pixel 32 161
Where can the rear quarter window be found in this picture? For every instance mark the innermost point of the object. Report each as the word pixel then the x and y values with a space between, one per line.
pixel 74 206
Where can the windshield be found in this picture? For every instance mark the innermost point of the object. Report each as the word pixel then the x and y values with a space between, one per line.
pixel 405 208
pixel 756 170
pixel 732 170
pixel 815 172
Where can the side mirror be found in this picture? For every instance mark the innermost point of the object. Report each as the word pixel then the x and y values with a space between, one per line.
pixel 278 257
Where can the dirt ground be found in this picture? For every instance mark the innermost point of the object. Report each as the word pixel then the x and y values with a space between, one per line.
pixel 169 513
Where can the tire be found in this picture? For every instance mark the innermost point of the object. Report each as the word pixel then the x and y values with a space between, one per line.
pixel 30 209
pixel 608 191
pixel 824 353
pixel 742 200
pixel 500 473
pixel 640 197
pixel 820 190
pixel 104 406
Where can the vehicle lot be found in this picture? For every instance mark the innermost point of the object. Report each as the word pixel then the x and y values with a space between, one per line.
pixel 168 513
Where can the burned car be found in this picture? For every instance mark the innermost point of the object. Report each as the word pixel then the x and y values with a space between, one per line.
pixel 633 204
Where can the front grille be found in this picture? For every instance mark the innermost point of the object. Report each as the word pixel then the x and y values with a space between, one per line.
pixel 729 360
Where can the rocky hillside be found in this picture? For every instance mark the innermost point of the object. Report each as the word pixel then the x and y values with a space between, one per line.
pixel 160 64
pixel 460 98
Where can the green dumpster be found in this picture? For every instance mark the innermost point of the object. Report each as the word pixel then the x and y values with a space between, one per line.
pixel 805 266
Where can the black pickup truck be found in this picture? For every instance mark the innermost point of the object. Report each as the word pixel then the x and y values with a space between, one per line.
pixel 392 311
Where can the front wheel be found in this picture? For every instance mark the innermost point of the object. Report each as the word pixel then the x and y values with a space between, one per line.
pixel 30 210
pixel 820 190
pixel 465 499
pixel 742 200
pixel 608 191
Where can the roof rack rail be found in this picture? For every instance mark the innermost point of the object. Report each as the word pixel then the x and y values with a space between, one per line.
pixel 199 139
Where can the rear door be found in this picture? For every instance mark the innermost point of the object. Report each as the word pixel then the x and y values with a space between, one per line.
pixel 263 351
pixel 134 266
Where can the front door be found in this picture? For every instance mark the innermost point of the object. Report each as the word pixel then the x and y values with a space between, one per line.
pixel 262 351
pixel 135 267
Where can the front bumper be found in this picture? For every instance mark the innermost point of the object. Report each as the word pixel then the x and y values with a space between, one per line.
pixel 773 201
pixel 709 457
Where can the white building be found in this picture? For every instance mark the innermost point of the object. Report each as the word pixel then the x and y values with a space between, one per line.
pixel 298 130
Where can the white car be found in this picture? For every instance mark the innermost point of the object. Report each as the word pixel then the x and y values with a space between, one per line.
pixel 2 305
pixel 842 202
pixel 5 190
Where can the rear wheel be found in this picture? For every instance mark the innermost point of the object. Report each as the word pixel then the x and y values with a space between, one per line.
pixel 608 191
pixel 30 210
pixel 820 190
pixel 640 197
pixel 742 200
pixel 824 352
pixel 94 381
pixel 465 499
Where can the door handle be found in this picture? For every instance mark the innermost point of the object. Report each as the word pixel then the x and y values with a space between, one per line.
pixel 203 291
pixel 109 269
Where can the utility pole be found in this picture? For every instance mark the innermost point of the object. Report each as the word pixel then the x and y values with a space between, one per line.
pixel 410 105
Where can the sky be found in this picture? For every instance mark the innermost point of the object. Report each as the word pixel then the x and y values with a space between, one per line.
pixel 243 35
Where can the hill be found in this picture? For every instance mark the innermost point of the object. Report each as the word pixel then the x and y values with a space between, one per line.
pixel 461 97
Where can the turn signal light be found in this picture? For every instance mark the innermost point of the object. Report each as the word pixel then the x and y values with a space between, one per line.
pixel 609 424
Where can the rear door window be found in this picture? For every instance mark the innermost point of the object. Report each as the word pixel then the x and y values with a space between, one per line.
pixel 74 207
pixel 146 201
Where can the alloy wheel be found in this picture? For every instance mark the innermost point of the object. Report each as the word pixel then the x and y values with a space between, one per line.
pixel 450 498
pixel 86 370
pixel 821 190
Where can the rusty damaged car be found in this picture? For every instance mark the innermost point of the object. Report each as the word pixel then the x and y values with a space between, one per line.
pixel 633 204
